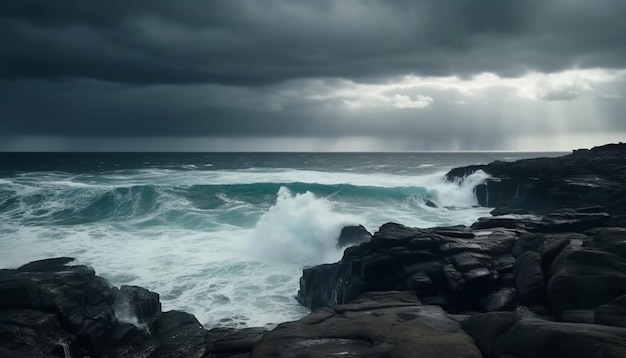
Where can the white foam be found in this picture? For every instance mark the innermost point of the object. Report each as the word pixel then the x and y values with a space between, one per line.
pixel 265 175
pixel 300 228
pixel 459 194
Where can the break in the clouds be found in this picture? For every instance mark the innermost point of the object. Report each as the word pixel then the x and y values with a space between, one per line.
pixel 311 75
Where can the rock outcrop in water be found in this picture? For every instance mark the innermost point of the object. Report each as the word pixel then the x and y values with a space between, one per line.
pixel 554 262
pixel 54 308
pixel 583 178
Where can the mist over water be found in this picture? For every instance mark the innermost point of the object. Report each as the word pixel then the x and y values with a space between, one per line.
pixel 222 236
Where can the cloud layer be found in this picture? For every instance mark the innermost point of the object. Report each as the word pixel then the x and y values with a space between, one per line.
pixel 444 74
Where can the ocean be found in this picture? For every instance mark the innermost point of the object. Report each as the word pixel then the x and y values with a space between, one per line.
pixel 224 236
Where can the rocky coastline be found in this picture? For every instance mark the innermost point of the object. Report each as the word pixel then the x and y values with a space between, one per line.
pixel 545 276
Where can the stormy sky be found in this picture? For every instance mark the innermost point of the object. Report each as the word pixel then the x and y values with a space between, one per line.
pixel 311 75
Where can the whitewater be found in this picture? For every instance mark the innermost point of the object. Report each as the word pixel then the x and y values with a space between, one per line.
pixel 222 236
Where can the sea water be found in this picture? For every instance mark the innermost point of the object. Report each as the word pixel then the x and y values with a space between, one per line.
pixel 224 236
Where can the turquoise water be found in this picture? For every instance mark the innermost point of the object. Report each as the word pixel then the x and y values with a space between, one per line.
pixel 223 236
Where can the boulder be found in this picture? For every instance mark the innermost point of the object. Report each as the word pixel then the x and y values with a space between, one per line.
pixel 487 328
pixel 612 313
pixel 353 235
pixel 389 324
pixel 529 280
pixel 545 339
pixel 504 334
pixel 610 239
pixel 585 279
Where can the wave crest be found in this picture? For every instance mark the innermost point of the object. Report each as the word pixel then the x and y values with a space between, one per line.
pixel 299 228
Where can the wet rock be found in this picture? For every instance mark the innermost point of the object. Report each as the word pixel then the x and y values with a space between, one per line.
pixel 487 328
pixel 353 235
pixel 578 316
pixel 612 313
pixel 546 339
pixel 458 231
pixel 585 279
pixel 529 280
pixel 503 299
pixel 585 179
pixel 32 333
pixel 503 334
pixel 54 307
pixel 390 324
pixel 610 239
pixel 230 341
pixel 527 242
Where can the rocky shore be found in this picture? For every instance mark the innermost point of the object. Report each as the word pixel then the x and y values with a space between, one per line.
pixel 545 276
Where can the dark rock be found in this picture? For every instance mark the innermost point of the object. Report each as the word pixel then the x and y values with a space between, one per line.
pixel 507 211
pixel 529 279
pixel 612 313
pixel 450 246
pixel 565 220
pixel 496 242
pixel 585 279
pixel 503 334
pixel 545 339
pixel 138 306
pixel 390 324
pixel 374 300
pixel 180 335
pixel 578 316
pixel 438 264
pixel 55 308
pixel 584 179
pixel 353 235
pixel 527 242
pixel 503 299
pixel 32 333
pixel 504 264
pixel 458 231
pixel 506 221
pixel 421 284
pixel 466 261
pixel 332 284
pixel 486 328
pixel 47 265
pixel 610 239
pixel 568 220
pixel 227 341
pixel 393 234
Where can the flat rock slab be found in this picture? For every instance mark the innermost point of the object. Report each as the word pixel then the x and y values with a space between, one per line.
pixel 504 334
pixel 389 324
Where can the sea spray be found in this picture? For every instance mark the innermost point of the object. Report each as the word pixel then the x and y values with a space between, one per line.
pixel 299 228
pixel 460 193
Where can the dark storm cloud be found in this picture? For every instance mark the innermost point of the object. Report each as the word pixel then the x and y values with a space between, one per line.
pixel 277 68
pixel 261 42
